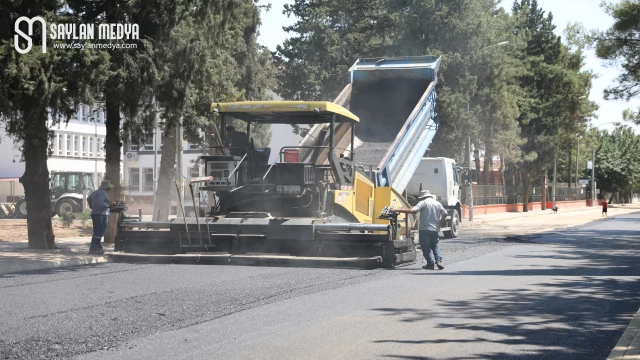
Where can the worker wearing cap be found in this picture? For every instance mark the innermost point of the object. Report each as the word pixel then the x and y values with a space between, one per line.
pixel 432 214
pixel 99 204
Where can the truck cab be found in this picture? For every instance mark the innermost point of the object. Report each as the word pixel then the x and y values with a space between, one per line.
pixel 441 176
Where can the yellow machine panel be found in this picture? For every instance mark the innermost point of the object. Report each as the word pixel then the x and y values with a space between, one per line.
pixel 386 196
pixel 359 200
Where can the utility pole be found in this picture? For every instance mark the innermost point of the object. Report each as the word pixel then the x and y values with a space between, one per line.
pixel 470 189
pixel 179 177
pixel 593 177
pixel 577 161
pixel 555 176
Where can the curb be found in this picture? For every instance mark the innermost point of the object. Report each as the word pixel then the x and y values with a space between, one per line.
pixel 53 264
pixel 629 344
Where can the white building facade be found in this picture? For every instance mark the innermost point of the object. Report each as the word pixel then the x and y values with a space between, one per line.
pixel 142 164
pixel 76 146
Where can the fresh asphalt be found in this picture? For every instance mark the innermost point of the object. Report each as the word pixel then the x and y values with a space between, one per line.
pixel 563 295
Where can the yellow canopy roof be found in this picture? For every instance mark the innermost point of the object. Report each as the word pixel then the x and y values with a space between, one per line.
pixel 294 112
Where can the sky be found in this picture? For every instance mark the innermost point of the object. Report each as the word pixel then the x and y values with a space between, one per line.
pixel 587 12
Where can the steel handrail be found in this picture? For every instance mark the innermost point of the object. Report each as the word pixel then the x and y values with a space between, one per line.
pixel 236 169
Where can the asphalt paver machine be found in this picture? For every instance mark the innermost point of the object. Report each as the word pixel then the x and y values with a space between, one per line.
pixel 289 212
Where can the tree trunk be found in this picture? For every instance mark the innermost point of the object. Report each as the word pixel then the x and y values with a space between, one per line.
pixel 525 190
pixel 543 200
pixel 166 175
pixel 569 169
pixel 502 181
pixel 112 159
pixel 36 181
pixel 488 161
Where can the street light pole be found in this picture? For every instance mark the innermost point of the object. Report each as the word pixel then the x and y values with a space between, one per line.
pixel 555 175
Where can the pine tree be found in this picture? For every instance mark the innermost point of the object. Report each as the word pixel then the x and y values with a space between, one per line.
pixel 37 91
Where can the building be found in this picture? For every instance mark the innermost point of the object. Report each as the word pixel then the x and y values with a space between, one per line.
pixel 79 146
pixel 76 146
pixel 142 164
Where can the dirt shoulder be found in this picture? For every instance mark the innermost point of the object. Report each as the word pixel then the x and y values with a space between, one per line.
pixel 16 230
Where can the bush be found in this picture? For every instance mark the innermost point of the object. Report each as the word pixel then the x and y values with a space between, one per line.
pixel 83 217
pixel 67 219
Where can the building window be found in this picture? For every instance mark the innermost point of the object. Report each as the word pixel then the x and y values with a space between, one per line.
pixel 76 145
pixel 100 116
pixel 148 179
pixel 134 179
pixel 148 142
pixel 194 172
pixel 87 113
pixel 83 146
pixel 59 140
pixel 100 142
pixel 161 139
pixel 68 145
pixel 90 146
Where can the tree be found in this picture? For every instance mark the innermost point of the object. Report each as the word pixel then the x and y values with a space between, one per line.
pixel 196 70
pixel 39 90
pixel 553 83
pixel 617 168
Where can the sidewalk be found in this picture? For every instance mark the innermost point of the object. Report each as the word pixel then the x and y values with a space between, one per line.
pixel 628 347
pixel 613 210
pixel 15 256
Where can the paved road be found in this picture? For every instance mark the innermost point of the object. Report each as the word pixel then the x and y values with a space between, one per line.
pixel 565 295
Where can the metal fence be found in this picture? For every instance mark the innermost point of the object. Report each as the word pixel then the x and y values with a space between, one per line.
pixel 498 194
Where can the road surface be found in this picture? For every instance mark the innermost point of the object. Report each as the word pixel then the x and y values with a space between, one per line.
pixel 563 295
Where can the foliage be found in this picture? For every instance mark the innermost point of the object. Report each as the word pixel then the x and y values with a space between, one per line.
pixel 617 45
pixel 67 219
pixel 618 160
pixel 83 217
pixel 521 102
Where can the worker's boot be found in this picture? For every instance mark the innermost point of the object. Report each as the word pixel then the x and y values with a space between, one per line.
pixel 429 267
pixel 439 264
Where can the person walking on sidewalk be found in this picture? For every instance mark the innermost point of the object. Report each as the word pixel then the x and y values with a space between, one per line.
pixel 432 214
pixel 99 204
pixel 604 207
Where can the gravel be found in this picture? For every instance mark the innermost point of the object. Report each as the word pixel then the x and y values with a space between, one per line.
pixel 370 154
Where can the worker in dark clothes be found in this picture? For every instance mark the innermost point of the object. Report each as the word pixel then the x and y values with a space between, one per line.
pixel 236 141
pixel 99 204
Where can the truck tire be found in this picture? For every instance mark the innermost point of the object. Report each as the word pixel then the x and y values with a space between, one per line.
pixel 67 206
pixel 21 209
pixel 455 227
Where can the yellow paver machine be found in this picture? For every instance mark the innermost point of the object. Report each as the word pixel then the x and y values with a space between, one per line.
pixel 314 205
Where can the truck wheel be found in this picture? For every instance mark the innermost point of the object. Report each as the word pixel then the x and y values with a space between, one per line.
pixel 455 227
pixel 21 209
pixel 65 206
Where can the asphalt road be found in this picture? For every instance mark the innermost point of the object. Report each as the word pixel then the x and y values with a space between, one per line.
pixel 562 295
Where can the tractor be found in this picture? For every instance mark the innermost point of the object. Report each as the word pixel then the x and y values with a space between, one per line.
pixel 66 193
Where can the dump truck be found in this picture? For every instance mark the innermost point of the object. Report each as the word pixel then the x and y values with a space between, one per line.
pixel 321 203
pixel 395 100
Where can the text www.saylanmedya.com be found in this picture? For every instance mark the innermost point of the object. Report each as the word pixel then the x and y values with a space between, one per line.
pixel 82 46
